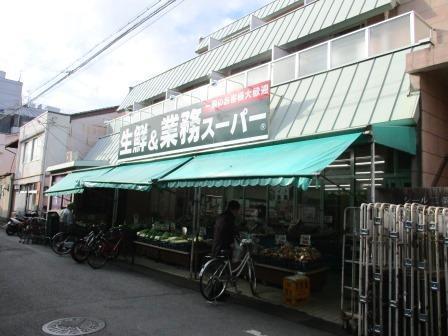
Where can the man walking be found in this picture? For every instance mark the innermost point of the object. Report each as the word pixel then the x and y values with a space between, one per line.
pixel 225 229
pixel 67 220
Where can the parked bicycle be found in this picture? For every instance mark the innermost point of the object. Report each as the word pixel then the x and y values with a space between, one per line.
pixel 33 230
pixel 106 247
pixel 217 273
pixel 63 242
pixel 81 248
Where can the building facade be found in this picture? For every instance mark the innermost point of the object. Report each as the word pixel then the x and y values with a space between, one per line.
pixel 53 143
pixel 298 111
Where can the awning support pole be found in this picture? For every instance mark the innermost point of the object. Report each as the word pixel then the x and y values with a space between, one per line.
pixel 195 224
pixel 372 170
pixel 294 204
pixel 115 208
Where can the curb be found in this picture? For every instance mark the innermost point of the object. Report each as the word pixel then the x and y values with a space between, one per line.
pixel 281 311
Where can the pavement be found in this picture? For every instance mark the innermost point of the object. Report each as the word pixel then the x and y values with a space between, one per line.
pixel 37 286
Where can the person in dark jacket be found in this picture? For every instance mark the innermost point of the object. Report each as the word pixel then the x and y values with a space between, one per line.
pixel 225 229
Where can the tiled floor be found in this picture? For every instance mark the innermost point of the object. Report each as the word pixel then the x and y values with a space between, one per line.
pixel 323 305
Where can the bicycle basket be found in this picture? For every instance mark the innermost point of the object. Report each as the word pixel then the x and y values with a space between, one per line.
pixel 247 245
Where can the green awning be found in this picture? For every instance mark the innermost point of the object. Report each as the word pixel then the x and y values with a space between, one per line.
pixel 402 138
pixel 73 182
pixel 275 165
pixel 135 176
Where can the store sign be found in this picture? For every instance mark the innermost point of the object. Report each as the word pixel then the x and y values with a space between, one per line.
pixel 236 117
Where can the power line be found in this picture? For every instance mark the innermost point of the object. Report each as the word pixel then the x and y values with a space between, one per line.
pixel 160 15
pixel 139 30
pixel 96 46
pixel 101 50
pixel 68 73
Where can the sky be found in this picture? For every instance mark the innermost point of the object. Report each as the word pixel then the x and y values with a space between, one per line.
pixel 41 38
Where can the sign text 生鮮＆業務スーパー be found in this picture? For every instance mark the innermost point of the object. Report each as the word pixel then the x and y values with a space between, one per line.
pixel 238 116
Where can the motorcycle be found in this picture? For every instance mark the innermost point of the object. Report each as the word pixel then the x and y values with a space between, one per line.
pixel 15 225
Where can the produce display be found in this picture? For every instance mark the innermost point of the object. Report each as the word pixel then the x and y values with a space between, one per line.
pixel 167 239
pixel 294 257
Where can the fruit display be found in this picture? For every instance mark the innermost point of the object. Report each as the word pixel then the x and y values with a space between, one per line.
pixel 294 257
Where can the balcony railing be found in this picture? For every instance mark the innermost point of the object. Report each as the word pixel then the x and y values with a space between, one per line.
pixel 393 34
pixel 386 36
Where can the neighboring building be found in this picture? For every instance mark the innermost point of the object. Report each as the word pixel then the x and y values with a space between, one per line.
pixel 10 93
pixel 299 110
pixel 6 184
pixel 13 115
pixel 54 142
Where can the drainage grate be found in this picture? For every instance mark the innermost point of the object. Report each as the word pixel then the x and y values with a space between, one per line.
pixel 73 326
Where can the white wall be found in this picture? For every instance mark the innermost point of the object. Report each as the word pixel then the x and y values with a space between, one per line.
pixel 58 134
pixel 53 130
pixel 86 131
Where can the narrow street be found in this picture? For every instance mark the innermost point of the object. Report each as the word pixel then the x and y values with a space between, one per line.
pixel 37 286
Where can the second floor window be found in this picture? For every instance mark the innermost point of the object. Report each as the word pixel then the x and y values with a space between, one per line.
pixel 32 150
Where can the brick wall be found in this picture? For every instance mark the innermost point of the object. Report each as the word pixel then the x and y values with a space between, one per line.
pixel 434 12
pixel 434 122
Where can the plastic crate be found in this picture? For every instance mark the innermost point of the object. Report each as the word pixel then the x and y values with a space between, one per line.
pixel 296 288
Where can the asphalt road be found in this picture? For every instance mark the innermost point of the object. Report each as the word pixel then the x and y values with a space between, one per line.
pixel 37 286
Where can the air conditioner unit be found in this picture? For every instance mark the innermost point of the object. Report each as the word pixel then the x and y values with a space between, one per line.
pixel 71 156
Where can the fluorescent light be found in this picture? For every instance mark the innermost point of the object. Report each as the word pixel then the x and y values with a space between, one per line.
pixel 339 165
pixel 368 172
pixel 368 163
pixel 367 179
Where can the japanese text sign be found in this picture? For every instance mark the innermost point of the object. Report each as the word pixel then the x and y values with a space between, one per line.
pixel 239 116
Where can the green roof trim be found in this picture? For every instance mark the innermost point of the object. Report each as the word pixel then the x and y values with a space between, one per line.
pixel 278 164
pixel 301 182
pixel 265 12
pixel 374 91
pixel 299 26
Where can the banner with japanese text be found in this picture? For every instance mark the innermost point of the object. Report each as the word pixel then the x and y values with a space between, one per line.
pixel 236 117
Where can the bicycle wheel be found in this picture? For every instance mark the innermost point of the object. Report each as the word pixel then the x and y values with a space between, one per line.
pixel 97 258
pixel 213 279
pixel 251 277
pixel 80 251
pixel 59 243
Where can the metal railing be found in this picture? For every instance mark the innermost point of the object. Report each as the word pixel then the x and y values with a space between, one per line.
pixel 393 34
pixel 384 37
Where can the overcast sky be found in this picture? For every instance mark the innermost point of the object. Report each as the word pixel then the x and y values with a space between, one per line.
pixel 40 38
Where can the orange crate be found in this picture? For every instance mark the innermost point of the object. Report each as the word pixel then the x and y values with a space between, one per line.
pixel 296 288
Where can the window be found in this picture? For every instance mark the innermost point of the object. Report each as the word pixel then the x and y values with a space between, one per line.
pixel 26 152
pixel 37 149
pixel 32 150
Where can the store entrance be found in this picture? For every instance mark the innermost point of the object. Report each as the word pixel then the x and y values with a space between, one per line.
pixel 296 233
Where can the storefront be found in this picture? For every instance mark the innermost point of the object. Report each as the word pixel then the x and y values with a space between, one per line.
pixel 293 195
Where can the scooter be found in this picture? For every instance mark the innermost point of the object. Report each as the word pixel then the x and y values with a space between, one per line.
pixel 15 225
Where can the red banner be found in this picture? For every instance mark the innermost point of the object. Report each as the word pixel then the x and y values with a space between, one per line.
pixel 242 96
